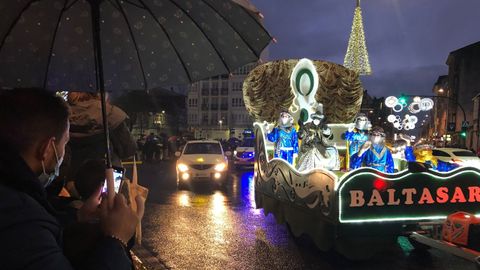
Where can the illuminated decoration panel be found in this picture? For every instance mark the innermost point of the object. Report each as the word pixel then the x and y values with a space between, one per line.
pixel 407 196
pixel 408 122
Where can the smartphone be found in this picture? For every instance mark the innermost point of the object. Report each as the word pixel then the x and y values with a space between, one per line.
pixel 117 179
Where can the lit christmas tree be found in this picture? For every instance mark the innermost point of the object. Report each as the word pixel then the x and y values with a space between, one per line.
pixel 357 55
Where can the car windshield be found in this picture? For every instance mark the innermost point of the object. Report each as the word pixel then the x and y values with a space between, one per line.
pixel 247 143
pixel 439 153
pixel 464 154
pixel 202 148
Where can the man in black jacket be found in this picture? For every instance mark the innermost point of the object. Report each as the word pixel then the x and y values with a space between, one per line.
pixel 35 129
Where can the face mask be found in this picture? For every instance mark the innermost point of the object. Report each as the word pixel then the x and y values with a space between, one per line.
pixel 284 121
pixel 46 179
pixel 377 139
pixel 316 122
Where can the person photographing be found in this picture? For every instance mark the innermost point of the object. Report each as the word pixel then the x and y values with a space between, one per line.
pixel 35 129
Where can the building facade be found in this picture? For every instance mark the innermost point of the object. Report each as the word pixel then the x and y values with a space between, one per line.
pixel 215 107
pixel 463 86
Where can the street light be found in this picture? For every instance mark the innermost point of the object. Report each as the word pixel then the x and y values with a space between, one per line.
pixel 220 122
pixel 440 90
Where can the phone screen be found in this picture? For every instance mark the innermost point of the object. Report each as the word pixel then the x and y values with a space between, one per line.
pixel 117 179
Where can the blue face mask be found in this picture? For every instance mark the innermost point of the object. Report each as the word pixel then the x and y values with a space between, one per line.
pixel 47 178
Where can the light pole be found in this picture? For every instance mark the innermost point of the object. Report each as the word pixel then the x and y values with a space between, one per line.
pixel 220 122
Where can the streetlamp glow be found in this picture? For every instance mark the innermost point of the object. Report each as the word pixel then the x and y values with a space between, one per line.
pixel 440 90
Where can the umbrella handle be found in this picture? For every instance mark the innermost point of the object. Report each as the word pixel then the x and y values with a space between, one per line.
pixel 110 187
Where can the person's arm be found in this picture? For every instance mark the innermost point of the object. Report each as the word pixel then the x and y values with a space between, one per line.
pixel 356 161
pixel 390 166
pixel 109 253
pixel 273 135
pixel 32 245
pixel 409 155
pixel 295 141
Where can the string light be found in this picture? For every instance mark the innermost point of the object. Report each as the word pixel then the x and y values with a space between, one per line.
pixel 356 57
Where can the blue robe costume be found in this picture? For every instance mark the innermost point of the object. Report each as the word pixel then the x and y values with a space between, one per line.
pixel 377 156
pixel 356 139
pixel 442 166
pixel 286 143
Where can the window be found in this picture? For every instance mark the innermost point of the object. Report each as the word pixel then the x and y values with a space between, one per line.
pixel 439 153
pixel 214 105
pixel 237 86
pixel 202 148
pixel 205 118
pixel 464 154
pixel 205 103
pixel 249 142
pixel 224 104
pixel 214 91
pixel 204 91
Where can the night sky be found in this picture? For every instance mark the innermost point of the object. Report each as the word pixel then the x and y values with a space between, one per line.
pixel 408 40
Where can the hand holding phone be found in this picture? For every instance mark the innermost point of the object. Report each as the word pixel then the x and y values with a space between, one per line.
pixel 117 178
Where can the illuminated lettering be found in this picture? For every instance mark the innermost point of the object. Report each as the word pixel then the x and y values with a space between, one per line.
pixel 376 199
pixel 474 194
pixel 356 198
pixel 391 197
pixel 426 197
pixel 458 196
pixel 442 195
pixel 408 192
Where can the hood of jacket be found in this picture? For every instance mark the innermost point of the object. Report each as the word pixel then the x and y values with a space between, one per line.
pixel 86 118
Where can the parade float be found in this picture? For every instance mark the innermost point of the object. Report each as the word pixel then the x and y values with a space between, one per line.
pixel 347 192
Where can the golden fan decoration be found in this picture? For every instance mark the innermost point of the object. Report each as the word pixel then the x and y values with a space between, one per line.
pixel 267 92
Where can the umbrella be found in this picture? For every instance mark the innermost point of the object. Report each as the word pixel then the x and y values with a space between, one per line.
pixel 108 45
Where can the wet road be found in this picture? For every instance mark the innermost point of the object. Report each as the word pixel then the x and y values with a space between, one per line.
pixel 205 228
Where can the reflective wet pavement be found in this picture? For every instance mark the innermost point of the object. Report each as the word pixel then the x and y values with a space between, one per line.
pixel 206 228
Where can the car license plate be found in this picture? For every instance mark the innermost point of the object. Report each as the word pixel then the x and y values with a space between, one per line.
pixel 201 175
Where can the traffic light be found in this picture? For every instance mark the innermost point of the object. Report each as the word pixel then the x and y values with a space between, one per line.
pixel 463 133
pixel 402 99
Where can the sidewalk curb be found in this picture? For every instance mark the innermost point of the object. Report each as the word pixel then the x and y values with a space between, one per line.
pixel 148 259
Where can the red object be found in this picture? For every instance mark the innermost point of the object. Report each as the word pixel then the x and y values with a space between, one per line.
pixel 456 227
pixel 380 184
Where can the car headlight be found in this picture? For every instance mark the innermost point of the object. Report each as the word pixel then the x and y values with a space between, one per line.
pixel 220 167
pixel 182 167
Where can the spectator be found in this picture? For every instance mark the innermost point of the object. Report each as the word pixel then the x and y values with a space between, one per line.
pixel 149 147
pixel 86 131
pixel 32 151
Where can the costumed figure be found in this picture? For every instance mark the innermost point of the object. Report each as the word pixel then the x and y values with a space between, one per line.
pixel 285 138
pixel 374 153
pixel 357 134
pixel 421 154
pixel 316 150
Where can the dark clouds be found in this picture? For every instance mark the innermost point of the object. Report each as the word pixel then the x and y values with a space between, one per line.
pixel 408 40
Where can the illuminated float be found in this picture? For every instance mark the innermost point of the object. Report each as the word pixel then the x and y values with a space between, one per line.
pixel 355 212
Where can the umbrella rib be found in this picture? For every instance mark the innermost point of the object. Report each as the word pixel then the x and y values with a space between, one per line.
pixel 134 4
pixel 169 39
pixel 15 22
pixel 234 29
pixel 205 34
pixel 69 6
pixel 53 43
pixel 134 43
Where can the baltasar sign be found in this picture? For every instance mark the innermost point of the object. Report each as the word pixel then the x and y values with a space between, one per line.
pixel 366 195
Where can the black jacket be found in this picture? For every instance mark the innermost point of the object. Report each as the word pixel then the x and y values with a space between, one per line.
pixel 30 233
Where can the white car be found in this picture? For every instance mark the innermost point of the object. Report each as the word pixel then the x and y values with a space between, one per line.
pixel 244 155
pixel 459 156
pixel 202 161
